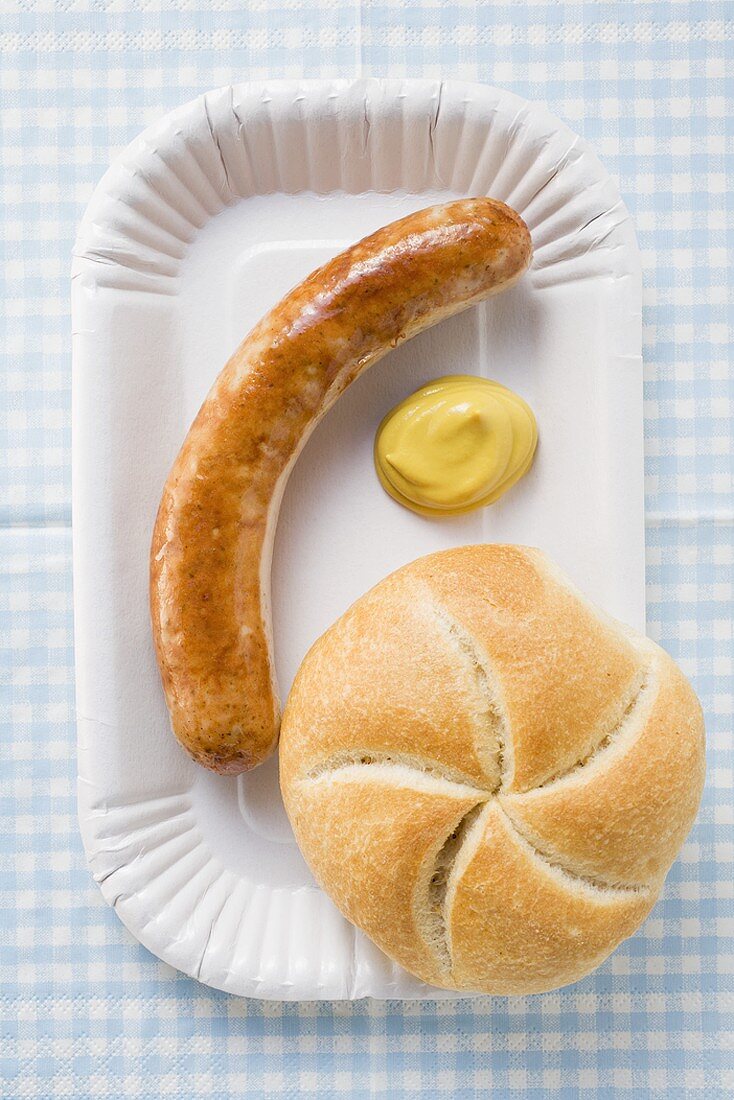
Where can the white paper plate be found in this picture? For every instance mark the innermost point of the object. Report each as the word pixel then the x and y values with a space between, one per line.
pixel 194 232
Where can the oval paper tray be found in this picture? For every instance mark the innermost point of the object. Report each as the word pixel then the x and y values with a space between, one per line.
pixel 193 233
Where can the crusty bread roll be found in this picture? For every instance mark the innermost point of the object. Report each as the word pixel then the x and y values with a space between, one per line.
pixel 488 775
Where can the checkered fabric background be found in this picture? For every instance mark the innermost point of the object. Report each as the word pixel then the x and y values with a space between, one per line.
pixel 87 1011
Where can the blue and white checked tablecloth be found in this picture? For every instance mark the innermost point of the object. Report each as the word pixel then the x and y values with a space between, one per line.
pixel 87 1011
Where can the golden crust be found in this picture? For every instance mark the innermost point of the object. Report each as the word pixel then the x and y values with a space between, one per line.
pixel 209 561
pixel 380 833
pixel 520 925
pixel 589 818
pixel 431 704
pixel 564 674
pixel 584 740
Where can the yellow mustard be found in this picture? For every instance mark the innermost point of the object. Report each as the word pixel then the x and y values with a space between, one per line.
pixel 454 445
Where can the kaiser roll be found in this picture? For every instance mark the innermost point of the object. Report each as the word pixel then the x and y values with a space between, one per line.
pixel 488 775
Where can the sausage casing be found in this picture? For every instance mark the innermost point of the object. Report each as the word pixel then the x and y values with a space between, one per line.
pixel 212 542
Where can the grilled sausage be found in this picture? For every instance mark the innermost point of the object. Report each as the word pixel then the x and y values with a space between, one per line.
pixel 212 543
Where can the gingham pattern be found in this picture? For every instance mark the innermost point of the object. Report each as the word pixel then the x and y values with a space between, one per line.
pixel 87 1011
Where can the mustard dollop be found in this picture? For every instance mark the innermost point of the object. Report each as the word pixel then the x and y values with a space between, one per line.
pixel 454 445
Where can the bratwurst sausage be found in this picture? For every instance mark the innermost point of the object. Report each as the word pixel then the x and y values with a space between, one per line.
pixel 212 543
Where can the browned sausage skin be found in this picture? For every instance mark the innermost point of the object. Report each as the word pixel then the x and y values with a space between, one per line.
pixel 211 551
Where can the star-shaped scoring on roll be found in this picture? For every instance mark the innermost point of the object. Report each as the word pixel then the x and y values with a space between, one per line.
pixel 486 774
